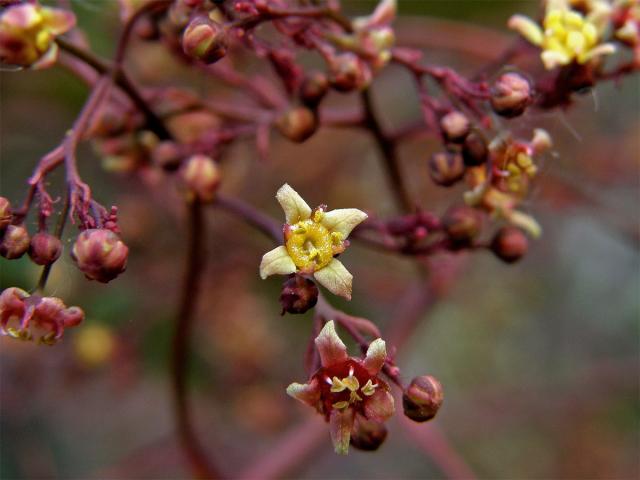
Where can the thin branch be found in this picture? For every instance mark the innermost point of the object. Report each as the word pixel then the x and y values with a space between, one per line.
pixel 201 465
pixel 252 216
pixel 389 156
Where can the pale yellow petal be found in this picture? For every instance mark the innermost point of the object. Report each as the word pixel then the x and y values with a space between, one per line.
pixel 343 220
pixel 276 261
pixel 376 356
pixel 335 278
pixel 527 28
pixel 294 206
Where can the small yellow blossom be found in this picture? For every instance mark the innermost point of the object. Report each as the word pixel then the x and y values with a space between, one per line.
pixel 567 35
pixel 28 32
pixel 513 168
pixel 312 239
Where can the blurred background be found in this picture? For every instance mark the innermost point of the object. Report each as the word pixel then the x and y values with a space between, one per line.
pixel 539 360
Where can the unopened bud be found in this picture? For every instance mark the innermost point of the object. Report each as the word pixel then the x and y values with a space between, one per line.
pixel 167 155
pixel 446 168
pixel 15 242
pixel 313 89
pixel 367 434
pixel 455 126
pixel 422 399
pixel 474 150
pixel 297 124
pixel 462 224
pixel 44 248
pixel 298 295
pixel 541 141
pixel 5 213
pixel 204 40
pixel 202 177
pixel 349 72
pixel 511 94
pixel 510 244
pixel 100 254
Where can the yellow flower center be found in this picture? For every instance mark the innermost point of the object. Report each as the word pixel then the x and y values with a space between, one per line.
pixel 569 33
pixel 352 384
pixel 310 244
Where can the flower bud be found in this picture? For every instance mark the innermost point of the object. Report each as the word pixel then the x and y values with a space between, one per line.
pixel 15 242
pixel 367 434
pixel 313 89
pixel 462 224
pixel 298 295
pixel 100 254
pixel 44 248
pixel 297 124
pixel 204 40
pixel 511 94
pixel 201 176
pixel 422 399
pixel 455 126
pixel 474 150
pixel 446 168
pixel 167 155
pixel 509 244
pixel 5 213
pixel 348 72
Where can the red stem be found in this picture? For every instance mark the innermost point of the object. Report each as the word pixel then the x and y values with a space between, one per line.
pixel 201 465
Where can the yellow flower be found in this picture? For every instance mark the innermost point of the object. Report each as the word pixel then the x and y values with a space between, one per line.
pixel 312 238
pixel 568 35
pixel 28 32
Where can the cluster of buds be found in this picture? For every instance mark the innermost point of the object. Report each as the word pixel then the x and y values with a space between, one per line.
pixel 28 32
pixel 312 239
pixel 372 37
pixel 35 318
pixel 43 248
pixel 348 392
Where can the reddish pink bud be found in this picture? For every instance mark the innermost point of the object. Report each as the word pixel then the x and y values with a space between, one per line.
pixel 510 244
pixel 474 150
pixel 313 89
pixel 204 40
pixel 462 224
pixel 44 248
pixel 5 213
pixel 455 126
pixel 297 124
pixel 422 399
pixel 446 168
pixel 15 242
pixel 367 434
pixel 349 72
pixel 100 254
pixel 511 94
pixel 298 295
pixel 202 177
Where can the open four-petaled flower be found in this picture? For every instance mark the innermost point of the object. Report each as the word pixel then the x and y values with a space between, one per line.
pixel 312 238
pixel 346 388
pixel 567 35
